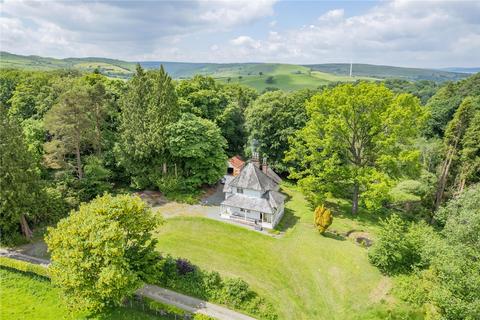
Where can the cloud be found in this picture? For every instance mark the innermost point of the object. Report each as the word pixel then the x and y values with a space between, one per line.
pixel 409 33
pixel 124 29
pixel 397 32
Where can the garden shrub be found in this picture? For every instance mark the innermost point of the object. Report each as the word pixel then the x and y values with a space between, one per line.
pixel 24 266
pixel 182 276
pixel 401 247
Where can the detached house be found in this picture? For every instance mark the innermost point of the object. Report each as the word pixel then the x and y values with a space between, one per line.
pixel 252 196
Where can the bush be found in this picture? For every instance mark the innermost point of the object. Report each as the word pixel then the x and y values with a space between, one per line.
pixel 182 276
pixel 25 266
pixel 184 266
pixel 402 247
pixel 323 218
pixel 235 292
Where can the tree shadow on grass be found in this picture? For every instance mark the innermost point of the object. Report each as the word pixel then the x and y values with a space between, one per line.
pixel 288 220
pixel 333 235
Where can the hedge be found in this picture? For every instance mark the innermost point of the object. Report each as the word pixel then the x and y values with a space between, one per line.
pixel 182 276
pixel 24 266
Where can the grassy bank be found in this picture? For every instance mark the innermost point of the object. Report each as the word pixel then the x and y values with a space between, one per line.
pixel 305 275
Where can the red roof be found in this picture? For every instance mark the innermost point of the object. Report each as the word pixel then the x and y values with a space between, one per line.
pixel 236 162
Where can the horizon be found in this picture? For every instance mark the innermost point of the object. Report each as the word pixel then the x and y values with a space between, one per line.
pixel 412 34
pixel 247 62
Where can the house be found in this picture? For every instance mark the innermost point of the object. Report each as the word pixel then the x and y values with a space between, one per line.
pixel 252 196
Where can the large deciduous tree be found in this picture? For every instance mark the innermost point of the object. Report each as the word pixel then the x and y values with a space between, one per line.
pixel 358 139
pixel 197 145
pixel 272 119
pixel 147 108
pixel 19 180
pixel 103 252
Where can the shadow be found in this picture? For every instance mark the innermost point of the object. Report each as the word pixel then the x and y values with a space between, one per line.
pixel 288 220
pixel 334 235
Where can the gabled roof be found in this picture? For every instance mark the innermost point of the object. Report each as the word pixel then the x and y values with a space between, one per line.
pixel 236 162
pixel 251 177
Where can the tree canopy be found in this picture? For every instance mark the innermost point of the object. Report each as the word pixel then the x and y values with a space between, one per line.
pixel 103 252
pixel 359 137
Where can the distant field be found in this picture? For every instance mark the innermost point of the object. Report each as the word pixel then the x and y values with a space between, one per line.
pixel 256 75
pixel 25 296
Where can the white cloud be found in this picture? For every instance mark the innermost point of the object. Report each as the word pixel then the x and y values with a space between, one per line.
pixel 122 29
pixel 396 32
pixel 408 33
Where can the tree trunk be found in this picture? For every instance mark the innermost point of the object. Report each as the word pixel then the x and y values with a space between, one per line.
pixel 355 198
pixel 461 186
pixel 442 181
pixel 98 133
pixel 164 168
pixel 27 232
pixel 79 162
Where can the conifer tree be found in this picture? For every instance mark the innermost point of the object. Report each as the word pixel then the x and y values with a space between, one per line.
pixel 149 105
pixel 19 180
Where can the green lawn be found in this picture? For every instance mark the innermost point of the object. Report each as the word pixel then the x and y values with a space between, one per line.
pixel 305 275
pixel 25 296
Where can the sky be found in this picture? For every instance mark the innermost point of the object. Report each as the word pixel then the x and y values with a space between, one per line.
pixel 429 33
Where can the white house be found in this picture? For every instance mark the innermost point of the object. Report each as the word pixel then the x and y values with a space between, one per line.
pixel 252 196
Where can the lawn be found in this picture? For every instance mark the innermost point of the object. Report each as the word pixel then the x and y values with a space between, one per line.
pixel 24 296
pixel 305 275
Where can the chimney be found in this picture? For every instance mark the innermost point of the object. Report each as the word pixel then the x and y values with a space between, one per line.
pixel 265 165
pixel 255 159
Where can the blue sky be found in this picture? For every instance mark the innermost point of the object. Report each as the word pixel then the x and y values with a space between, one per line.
pixel 391 32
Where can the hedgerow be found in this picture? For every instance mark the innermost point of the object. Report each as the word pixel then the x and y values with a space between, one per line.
pixel 24 266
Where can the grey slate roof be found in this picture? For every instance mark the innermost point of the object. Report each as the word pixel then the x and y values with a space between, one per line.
pixel 273 175
pixel 276 199
pixel 227 187
pixel 251 177
pixel 239 200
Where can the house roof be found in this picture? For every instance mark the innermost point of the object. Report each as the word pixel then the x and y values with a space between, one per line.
pixel 239 200
pixel 251 177
pixel 276 199
pixel 227 187
pixel 273 175
pixel 236 162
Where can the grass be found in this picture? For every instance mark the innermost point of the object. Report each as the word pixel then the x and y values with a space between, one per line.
pixel 285 77
pixel 24 296
pixel 305 275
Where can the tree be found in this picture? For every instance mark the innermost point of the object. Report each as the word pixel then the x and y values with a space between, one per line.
pixel 102 252
pixel 358 139
pixel 272 119
pixel 456 264
pixel 197 146
pixel 19 180
pixel 322 218
pixel 445 102
pixel 72 129
pixel 453 139
pixel 147 108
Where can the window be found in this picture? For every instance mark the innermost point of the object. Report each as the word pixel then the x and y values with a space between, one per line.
pixel 239 190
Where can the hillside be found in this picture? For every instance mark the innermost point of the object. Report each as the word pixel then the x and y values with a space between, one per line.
pixel 258 75
pixel 384 72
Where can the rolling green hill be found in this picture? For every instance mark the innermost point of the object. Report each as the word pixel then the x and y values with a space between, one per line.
pixel 384 72
pixel 258 75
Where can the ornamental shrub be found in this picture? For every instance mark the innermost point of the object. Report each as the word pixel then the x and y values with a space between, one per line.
pixel 323 218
